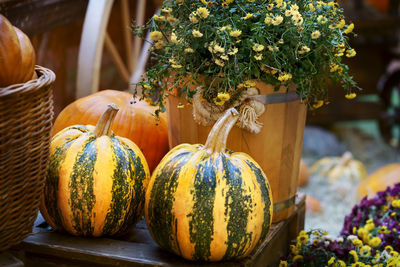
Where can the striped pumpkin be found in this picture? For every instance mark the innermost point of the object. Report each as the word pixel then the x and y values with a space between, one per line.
pixel 344 167
pixel 96 182
pixel 205 202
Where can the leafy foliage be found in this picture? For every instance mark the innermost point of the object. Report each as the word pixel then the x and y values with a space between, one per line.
pixel 224 46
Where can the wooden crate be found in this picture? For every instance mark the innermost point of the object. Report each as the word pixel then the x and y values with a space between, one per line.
pixel 44 247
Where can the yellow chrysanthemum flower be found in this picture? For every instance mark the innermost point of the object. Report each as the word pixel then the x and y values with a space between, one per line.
pixel 273 48
pixel 193 19
pixel 278 3
pixel 218 49
pixel 249 84
pixel 158 18
pixel 321 19
pixel 304 49
pixel 277 20
pixel 297 19
pixel 188 50
pixel 219 62
pixel 331 260
pixel 233 51
pixel 218 101
pixel 311 7
pixel 166 10
pixel 156 35
pixel 174 38
pixel 224 57
pixel 319 104
pixel 283 77
pixel 315 34
pixel 248 16
pixel 270 6
pixel 294 8
pixel 257 47
pixel 172 19
pixel 235 33
pixel 258 56
pixel 159 44
pixel 349 28
pixel 197 34
pixel 268 20
pixel 341 24
pixel 176 66
pixel 351 53
pixel 224 96
pixel 180 105
pixel 203 12
pixel 283 264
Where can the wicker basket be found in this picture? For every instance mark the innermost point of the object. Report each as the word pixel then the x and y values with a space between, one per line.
pixel 26 114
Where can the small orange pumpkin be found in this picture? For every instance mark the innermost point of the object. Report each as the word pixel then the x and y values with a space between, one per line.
pixel 134 121
pixel 313 204
pixel 17 56
pixel 304 174
pixel 388 175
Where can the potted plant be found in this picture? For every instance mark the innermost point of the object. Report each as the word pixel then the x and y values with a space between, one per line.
pixel 212 55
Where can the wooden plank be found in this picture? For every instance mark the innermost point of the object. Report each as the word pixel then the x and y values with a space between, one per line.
pixel 137 248
pixel 8 260
pixel 37 16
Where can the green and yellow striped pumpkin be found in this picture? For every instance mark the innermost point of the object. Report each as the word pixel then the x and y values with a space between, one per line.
pixel 205 202
pixel 96 182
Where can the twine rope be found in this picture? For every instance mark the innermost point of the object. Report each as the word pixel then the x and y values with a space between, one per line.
pixel 206 113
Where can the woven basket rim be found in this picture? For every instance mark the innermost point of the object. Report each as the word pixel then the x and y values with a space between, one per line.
pixel 45 78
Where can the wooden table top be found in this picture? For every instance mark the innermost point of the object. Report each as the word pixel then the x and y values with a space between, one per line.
pixel 49 248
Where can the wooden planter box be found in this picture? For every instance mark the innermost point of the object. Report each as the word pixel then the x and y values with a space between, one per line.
pixel 44 247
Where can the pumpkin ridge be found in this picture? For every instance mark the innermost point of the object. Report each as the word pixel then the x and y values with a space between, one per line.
pixel 49 208
pixel 159 211
pixel 102 183
pixel 82 201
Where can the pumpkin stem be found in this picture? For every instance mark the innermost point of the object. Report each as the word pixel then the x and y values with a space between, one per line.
pixel 103 126
pixel 346 158
pixel 216 141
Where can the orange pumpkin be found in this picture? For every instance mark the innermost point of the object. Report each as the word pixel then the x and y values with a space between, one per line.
pixel 313 204
pixel 17 56
pixel 388 175
pixel 134 121
pixel 304 174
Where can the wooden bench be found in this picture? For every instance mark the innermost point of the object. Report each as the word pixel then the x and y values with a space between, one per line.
pixel 44 247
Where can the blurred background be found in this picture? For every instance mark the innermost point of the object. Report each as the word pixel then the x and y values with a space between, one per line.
pixel 368 127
